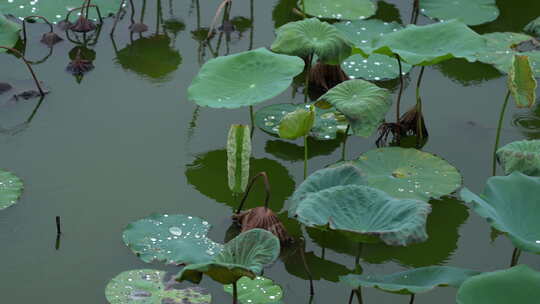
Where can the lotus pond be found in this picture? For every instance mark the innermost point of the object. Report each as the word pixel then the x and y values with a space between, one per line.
pixel 275 151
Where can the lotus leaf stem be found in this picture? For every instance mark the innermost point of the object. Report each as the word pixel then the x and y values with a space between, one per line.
pixel 252 118
pixel 33 17
pixel 358 293
pixel 306 267
pixel 515 257
pixel 419 121
pixel 398 103
pixel 38 85
pixel 412 299
pixel 351 296
pixel 498 136
pixel 415 11
pixel 266 187
pixel 306 81
pixel 343 151
pixel 235 293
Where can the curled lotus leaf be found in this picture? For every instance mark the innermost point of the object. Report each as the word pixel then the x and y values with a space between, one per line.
pixel 312 36
pixel 412 281
pixel 522 156
pixel 521 82
pixel 150 286
pixel 510 205
pixel 56 10
pixel 243 79
pixel 518 284
pixel 256 291
pixel 9 32
pixel 471 12
pixel 339 9
pixel 10 189
pixel 297 123
pixel 409 173
pixel 171 238
pixel 238 157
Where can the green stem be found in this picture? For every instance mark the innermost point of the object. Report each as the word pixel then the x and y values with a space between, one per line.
pixel 398 103
pixel 343 151
pixel 359 295
pixel 515 257
pixel 351 297
pixel 36 81
pixel 235 293
pixel 419 121
pixel 306 82
pixel 412 299
pixel 305 156
pixel 498 137
pixel 252 118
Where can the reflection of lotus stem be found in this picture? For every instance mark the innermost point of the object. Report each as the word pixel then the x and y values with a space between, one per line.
pixel 305 155
pixel 412 299
pixel 266 188
pixel 235 293
pixel 32 17
pixel 398 103
pixel 415 11
pixel 306 267
pixel 252 118
pixel 515 257
pixel 29 68
pixel 218 11
pixel 420 120
pixel 306 82
pixel 498 136
pixel 358 293
pixel 117 17
pixel 343 152
pixel 351 297
pixel 82 10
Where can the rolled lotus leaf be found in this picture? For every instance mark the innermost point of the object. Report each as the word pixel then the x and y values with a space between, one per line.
pixel 297 123
pixel 533 27
pixel 312 36
pixel 510 205
pixel 518 284
pixel 366 213
pixel 238 156
pixel 245 255
pixel 521 82
pixel 10 189
pixel 412 281
pixel 339 9
pixel 243 79
pixel 471 12
pixel 56 10
pixel 150 286
pixel 522 156
pixel 257 291
pixel 9 32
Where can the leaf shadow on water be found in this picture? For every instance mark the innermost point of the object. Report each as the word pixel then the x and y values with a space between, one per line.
pixel 387 12
pixel 292 152
pixel 467 73
pixel 527 10
pixel 208 174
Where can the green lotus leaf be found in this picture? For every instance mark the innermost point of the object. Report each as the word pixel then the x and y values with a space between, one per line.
pixel 510 205
pixel 409 173
pixel 375 67
pixel 339 9
pixel 56 10
pixel 522 156
pixel 150 286
pixel 10 189
pixel 518 284
pixel 171 238
pixel 297 123
pixel 365 213
pixel 311 36
pixel 324 179
pixel 533 27
pixel 362 33
pixel 413 281
pixel 521 82
pixel 501 48
pixel 243 79
pixel 327 123
pixel 238 156
pixel 471 12
pixel 364 104
pixel 9 32
pixel 257 291
pixel 433 43
pixel 245 255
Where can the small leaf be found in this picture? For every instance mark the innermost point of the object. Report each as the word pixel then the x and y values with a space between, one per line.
pixel 9 32
pixel 238 155
pixel 10 189
pixel 522 156
pixel 257 291
pixel 297 124
pixel 521 82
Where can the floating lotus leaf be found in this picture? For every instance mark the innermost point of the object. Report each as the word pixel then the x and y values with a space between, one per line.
pixel 174 238
pixel 375 67
pixel 515 285
pixel 327 123
pixel 245 255
pixel 339 9
pixel 510 205
pixel 238 156
pixel 472 12
pixel 413 281
pixel 9 32
pixel 534 27
pixel 364 104
pixel 521 82
pixel 243 79
pixel 56 10
pixel 297 123
pixel 149 286
pixel 10 189
pixel 501 48
pixel 324 179
pixel 409 173
pixel 311 36
pixel 257 291
pixel 365 213
pixel 522 156
pixel 362 33
pixel 433 43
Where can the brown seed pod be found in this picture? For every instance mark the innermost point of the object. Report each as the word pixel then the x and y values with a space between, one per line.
pixel 263 218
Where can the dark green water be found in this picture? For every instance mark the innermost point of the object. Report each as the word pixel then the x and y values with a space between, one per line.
pixel 126 142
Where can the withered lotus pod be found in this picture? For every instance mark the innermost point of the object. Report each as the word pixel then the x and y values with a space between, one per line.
pixel 326 76
pixel 83 25
pixel 263 218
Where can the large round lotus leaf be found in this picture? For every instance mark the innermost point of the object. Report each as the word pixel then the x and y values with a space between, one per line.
pixel 311 36
pixel 257 291
pixel 245 255
pixel 364 104
pixel 362 33
pixel 413 281
pixel 409 173
pixel 56 10
pixel 339 9
pixel 500 50
pixel 433 43
pixel 367 213
pixel 326 178
pixel 522 156
pixel 153 58
pixel 533 27
pixel 515 285
pixel 375 67
pixel 171 238
pixel 510 205
pixel 472 12
pixel 10 189
pixel 9 32
pixel 243 79
pixel 327 123
pixel 148 286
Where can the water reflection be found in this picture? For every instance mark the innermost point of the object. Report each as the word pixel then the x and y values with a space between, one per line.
pixel 283 13
pixel 20 127
pixel 467 73
pixel 387 12
pixel 292 152
pixel 528 122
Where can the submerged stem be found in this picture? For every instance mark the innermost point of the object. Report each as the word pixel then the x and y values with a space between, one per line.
pixel 266 187
pixel 498 136
pixel 41 92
